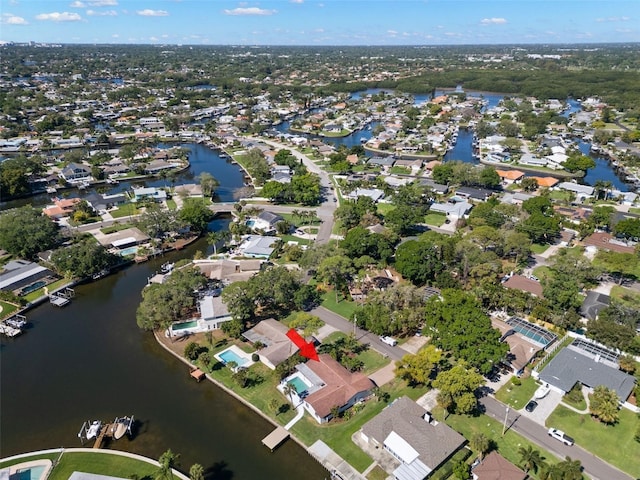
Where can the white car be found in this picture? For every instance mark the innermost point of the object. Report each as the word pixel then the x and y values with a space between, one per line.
pixel 560 435
pixel 389 340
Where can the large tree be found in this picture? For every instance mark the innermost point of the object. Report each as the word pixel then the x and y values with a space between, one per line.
pixel 25 231
pixel 457 388
pixel 604 404
pixel 417 369
pixel 457 322
pixel 195 214
pixel 84 259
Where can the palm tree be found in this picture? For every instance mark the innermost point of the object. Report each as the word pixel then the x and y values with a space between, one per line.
pixel 551 472
pixel 296 214
pixel 288 389
pixel 167 461
pixel 213 238
pixel 530 458
pixel 481 444
pixel 196 472
pixel 571 469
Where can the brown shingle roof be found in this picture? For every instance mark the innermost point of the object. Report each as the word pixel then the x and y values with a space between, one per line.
pixel 606 241
pixel 518 282
pixel 340 385
pixel 496 467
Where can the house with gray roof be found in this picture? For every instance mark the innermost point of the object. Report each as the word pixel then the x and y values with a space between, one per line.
pixel 257 246
pixel 593 303
pixel 575 364
pixel 408 433
pixel 277 346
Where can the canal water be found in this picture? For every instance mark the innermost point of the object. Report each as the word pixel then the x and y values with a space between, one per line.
pixel 90 361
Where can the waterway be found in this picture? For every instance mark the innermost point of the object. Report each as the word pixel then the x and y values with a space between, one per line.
pixel 89 361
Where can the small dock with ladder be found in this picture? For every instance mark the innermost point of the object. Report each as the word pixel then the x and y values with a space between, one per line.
pixel 62 297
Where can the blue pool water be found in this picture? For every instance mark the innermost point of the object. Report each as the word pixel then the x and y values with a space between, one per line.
pixel 181 326
pixel 33 287
pixel 128 251
pixel 251 223
pixel 33 473
pixel 298 384
pixel 231 356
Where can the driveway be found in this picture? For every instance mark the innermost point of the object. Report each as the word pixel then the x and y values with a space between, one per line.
pixel 545 407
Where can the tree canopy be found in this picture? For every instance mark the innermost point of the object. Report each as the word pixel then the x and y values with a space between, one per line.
pixel 25 231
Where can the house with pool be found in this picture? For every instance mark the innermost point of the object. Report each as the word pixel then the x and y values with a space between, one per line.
pixel 324 384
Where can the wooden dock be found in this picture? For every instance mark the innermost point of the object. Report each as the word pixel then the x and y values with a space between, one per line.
pixel 275 438
pixel 105 432
pixel 197 374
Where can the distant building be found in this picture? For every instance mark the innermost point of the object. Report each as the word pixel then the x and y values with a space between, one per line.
pixel 495 467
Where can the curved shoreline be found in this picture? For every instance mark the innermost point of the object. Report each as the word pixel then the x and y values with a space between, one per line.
pixel 403 156
pixel 122 453
pixel 234 395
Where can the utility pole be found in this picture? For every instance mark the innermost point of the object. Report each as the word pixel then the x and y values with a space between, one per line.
pixel 504 427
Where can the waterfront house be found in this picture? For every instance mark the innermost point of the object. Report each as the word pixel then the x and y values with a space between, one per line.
pixel 412 437
pixel 149 193
pixel 19 274
pixel 62 207
pixel 257 246
pixel 582 192
pixel 265 221
pixel 330 385
pixel 276 346
pixel 213 311
pixel 76 173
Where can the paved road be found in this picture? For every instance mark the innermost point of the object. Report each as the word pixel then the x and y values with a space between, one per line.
pixel 344 325
pixel 328 206
pixel 593 466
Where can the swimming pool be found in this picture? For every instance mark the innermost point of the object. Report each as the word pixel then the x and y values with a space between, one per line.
pixel 32 473
pixel 250 223
pixel 231 356
pixel 184 325
pixel 298 384
pixel 128 251
pixel 33 287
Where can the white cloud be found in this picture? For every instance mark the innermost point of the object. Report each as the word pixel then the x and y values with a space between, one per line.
pixel 59 17
pixel 77 4
pixel 319 30
pixel 297 1
pixel 393 33
pixel 493 21
pixel 147 12
pixel 115 35
pixel 102 13
pixel 10 19
pixel 249 11
pixel 103 3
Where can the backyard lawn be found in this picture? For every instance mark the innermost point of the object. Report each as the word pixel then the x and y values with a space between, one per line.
pixel 30 297
pixel 99 463
pixel 615 443
pixel 538 248
pixel 517 396
pixel 7 309
pixel 627 296
pixel 384 208
pixel 435 219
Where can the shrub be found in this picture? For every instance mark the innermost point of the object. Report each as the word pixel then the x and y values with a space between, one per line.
pixel 255 357
pixel 516 381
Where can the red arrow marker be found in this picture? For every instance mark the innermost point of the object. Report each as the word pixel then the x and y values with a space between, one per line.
pixel 307 349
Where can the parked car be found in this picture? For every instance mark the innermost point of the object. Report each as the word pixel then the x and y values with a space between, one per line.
pixel 389 340
pixel 560 435
pixel 531 406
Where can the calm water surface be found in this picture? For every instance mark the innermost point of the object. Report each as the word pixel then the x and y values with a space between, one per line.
pixel 90 361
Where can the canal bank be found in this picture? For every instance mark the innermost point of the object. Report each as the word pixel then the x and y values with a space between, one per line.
pixel 90 360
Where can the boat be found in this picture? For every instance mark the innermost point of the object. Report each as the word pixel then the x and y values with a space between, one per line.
pixel 541 392
pixel 166 268
pixel 93 430
pixel 121 425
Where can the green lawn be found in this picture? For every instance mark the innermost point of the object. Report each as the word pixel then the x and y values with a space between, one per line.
pixel 507 444
pixel 30 297
pixel 517 396
pixel 342 307
pixel 171 204
pixel 7 309
pixel 293 238
pixel 613 443
pixel 543 272
pixel 100 463
pixel 400 170
pixel 116 227
pixel 125 211
pixel 377 473
pixel 435 219
pixel 627 296
pixel 295 220
pixel 538 248
pixel 384 208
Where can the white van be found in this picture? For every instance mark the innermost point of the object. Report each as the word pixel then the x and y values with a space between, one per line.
pixel 389 340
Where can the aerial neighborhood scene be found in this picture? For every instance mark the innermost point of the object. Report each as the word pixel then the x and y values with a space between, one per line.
pixel 310 240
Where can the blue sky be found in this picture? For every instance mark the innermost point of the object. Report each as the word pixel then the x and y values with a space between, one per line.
pixel 320 22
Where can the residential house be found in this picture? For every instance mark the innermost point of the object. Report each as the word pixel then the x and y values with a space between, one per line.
pixel 480 194
pixel 525 340
pixel 593 303
pixel 410 434
pixel 590 364
pixel 189 190
pixel 452 210
pixel 19 274
pixel 149 193
pixel 582 192
pixel 384 162
pixel 515 198
pixel 228 270
pixel 495 467
pixel 374 194
pixel 62 207
pixel 525 284
pixel 546 182
pixel 276 346
pixel 329 385
pixel 101 203
pixel 257 246
pixel 606 241
pixel 510 176
pixel 213 311
pixel 76 173
pixel 265 221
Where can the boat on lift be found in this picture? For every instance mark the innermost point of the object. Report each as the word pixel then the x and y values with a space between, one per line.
pixel 121 426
